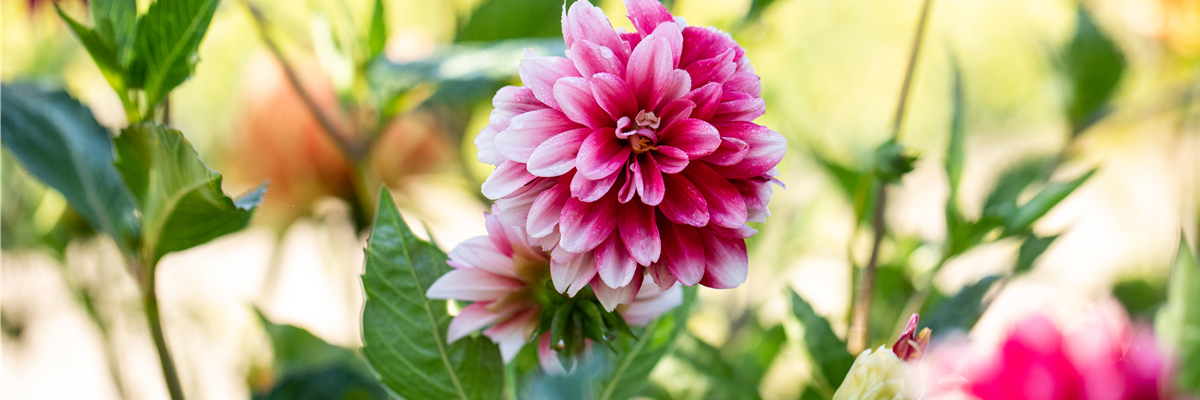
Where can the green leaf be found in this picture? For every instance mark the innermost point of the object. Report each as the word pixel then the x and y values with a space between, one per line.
pixel 627 371
pixel 955 152
pixel 1178 323
pixel 855 184
pixel 1093 65
pixel 180 199
pixel 102 51
pixel 811 393
pixel 825 349
pixel 404 332
pixel 892 161
pixel 961 311
pixel 1041 203
pixel 377 38
pixel 510 19
pixel 297 349
pixel 1141 297
pixel 60 143
pixel 116 22
pixel 329 382
pixel 756 10
pixel 891 291
pixel 168 38
pixel 1002 201
pixel 1031 249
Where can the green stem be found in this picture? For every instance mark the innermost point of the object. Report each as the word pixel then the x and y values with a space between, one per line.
pixel 150 305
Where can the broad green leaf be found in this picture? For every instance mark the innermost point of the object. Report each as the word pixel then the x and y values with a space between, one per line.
pixel 510 19
pixel 34 216
pixel 60 143
pixel 1141 296
pixel 103 51
pixel 627 371
pixel 1031 249
pixel 180 199
pixel 961 311
pixel 825 349
pixel 168 38
pixel 892 161
pixel 1178 323
pixel 327 382
pixel 1002 201
pixel 724 380
pixel 377 37
pixel 297 349
pixel 1093 65
pixel 1041 203
pixel 116 22
pixel 404 332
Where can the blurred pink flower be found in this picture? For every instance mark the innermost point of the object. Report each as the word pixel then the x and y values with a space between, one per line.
pixel 501 273
pixel 1037 362
pixel 635 153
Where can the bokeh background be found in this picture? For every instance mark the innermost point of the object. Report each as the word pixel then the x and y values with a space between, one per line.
pixel 831 73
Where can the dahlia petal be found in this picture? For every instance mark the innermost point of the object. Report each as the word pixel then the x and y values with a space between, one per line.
pixel 546 209
pixel 675 111
pixel 472 284
pixel 683 203
pixel 486 143
pixel 670 160
pixel 707 98
pixel 514 208
pixel 740 109
pixel 745 82
pixel 731 151
pixel 695 137
pixel 516 99
pixel 726 264
pixel 756 192
pixel 585 225
pixel 647 15
pixel 614 95
pixel 651 303
pixel 591 59
pixel 613 263
pixel 472 318
pixel 766 149
pixel 512 334
pixel 661 275
pixel 506 179
pixel 742 232
pixel 717 69
pixel 601 154
pixel 683 252
pixel 631 39
pixel 589 190
pixel 610 297
pixel 574 96
pixel 639 233
pixel 725 205
pixel 572 275
pixel 679 85
pixel 499 234
pixel 481 252
pixel 547 356
pixel 674 36
pixel 587 22
pixel 539 74
pixel 527 131
pixel 652 189
pixel 649 72
pixel 633 182
pixel 556 156
pixel 701 43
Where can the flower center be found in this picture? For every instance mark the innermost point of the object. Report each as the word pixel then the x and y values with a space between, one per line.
pixel 641 144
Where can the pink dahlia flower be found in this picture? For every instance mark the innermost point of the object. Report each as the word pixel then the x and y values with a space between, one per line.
pixel 635 153
pixel 502 274
pixel 1038 362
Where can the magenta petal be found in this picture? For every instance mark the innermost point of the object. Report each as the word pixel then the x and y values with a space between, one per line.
pixel 610 297
pixel 574 96
pixel 652 188
pixel 731 151
pixel 587 22
pixel 547 356
pixel 590 190
pixel 585 225
pixel 591 59
pixel 674 36
pixel 514 208
pixel 756 192
pixel 701 43
pixel 740 109
pixel 506 179
pixel 527 131
pixel 511 335
pixel 650 303
pixel 649 72
pixel 614 265
pixel 695 137
pixel 675 111
pixel 570 276
pixel 647 15
pixel 556 156
pixel 546 210
pixel 745 82
pixel 633 183
pixel 707 98
pixel 639 233
pixel 601 154
pixel 725 205
pixel 481 252
pixel 743 232
pixel 670 160
pixel 614 95
pixel 539 74
pixel 683 203
pixel 683 252
pixel 766 149
pixel 678 86
pixel 661 275
pixel 717 69
pixel 472 318
pixel 726 263
pixel 472 284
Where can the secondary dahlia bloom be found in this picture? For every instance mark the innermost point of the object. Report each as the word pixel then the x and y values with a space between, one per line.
pixel 1038 362
pixel 502 274
pixel 635 153
pixel 888 374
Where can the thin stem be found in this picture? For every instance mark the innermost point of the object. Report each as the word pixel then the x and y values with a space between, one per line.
pixel 352 150
pixel 858 336
pixel 150 305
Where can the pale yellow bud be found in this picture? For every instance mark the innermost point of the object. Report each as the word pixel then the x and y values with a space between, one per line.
pixel 879 375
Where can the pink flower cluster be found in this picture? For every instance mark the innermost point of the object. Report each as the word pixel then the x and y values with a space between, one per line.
pixel 636 154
